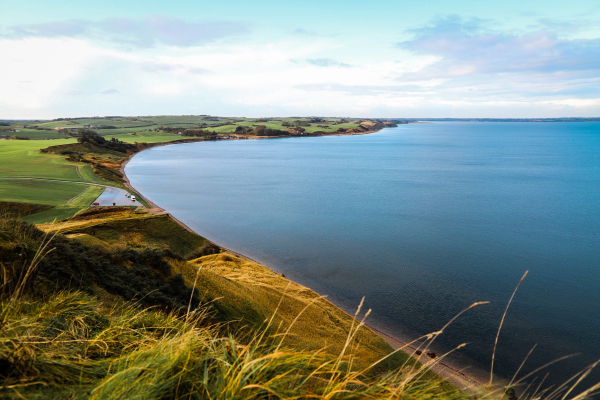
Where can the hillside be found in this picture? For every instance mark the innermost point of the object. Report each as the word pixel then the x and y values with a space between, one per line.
pixel 70 309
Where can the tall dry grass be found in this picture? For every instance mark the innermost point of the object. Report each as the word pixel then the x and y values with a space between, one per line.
pixel 69 345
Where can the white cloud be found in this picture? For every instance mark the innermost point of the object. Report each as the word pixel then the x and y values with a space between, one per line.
pixel 578 103
pixel 36 70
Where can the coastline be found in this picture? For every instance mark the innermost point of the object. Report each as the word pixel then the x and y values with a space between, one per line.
pixel 453 374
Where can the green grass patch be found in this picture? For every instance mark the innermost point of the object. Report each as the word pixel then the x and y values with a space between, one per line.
pixel 22 158
pixel 54 214
pixel 87 173
pixel 146 137
pixel 50 193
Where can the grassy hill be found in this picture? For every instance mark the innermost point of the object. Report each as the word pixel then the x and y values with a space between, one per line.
pixel 76 323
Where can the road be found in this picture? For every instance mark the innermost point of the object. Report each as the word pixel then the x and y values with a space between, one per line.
pixel 107 198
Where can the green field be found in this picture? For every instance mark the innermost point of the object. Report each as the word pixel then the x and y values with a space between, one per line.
pixel 51 193
pixel 277 124
pixel 146 137
pixel 66 198
pixel 54 214
pixel 121 125
pixel 125 127
pixel 22 158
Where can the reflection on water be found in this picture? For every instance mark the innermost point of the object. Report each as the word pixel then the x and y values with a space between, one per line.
pixel 423 220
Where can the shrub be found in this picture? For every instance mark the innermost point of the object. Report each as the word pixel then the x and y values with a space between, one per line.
pixel 141 274
pixel 205 250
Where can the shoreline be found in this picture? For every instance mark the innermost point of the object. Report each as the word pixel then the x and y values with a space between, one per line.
pixel 446 370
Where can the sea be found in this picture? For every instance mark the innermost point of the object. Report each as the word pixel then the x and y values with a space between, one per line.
pixel 422 221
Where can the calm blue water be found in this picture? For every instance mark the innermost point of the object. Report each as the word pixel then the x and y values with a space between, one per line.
pixel 422 219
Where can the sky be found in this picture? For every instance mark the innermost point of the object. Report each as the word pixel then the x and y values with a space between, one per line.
pixel 378 59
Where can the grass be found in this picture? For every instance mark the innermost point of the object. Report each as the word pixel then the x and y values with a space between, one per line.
pixel 38 213
pixel 71 345
pixel 129 228
pixel 37 134
pixel 277 124
pixel 75 345
pixel 132 131
pixel 146 137
pixel 21 158
pixel 248 292
pixel 43 192
pixel 54 214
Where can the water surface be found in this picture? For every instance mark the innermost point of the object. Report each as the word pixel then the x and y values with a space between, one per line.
pixel 422 219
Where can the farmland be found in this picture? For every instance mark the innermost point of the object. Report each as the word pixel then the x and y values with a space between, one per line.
pixel 52 193
pixel 148 128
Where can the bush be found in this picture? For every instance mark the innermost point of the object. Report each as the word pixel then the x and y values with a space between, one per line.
pixel 142 274
pixel 206 250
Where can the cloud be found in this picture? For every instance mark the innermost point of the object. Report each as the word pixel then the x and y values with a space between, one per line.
pixel 361 90
pixel 110 91
pixel 159 67
pixel 327 62
pixel 466 47
pixel 139 33
pixel 322 62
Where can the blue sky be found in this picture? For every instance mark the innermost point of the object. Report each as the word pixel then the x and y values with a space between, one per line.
pixel 274 58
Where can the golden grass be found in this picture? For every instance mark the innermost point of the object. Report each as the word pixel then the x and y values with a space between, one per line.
pixel 250 292
pixel 127 227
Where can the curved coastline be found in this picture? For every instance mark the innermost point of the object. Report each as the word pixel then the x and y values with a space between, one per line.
pixel 457 376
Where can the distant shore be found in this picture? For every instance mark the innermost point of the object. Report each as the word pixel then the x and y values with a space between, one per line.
pixel 451 373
